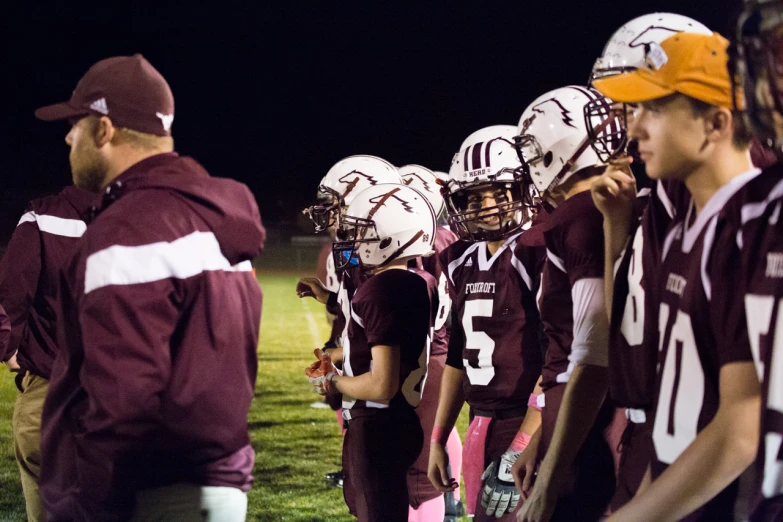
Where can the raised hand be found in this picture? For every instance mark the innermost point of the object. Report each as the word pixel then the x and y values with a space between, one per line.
pixel 614 192
pixel 312 287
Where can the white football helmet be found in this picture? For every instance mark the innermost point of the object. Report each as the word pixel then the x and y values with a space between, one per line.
pixel 630 47
pixel 488 161
pixel 426 182
pixel 627 49
pixel 489 133
pixel 384 223
pixel 345 179
pixel 553 140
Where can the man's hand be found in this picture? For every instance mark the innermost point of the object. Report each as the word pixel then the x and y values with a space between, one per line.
pixel 614 192
pixel 321 373
pixel 539 506
pixel 438 469
pixel 12 365
pixel 312 287
pixel 499 495
pixel 524 468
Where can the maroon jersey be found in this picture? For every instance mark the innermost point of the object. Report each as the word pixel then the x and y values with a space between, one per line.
pixel 44 239
pixel 494 333
pixel 339 304
pixel 394 307
pixel 157 343
pixel 754 211
pixel 325 270
pixel 432 264
pixel 699 332
pixel 575 251
pixel 632 362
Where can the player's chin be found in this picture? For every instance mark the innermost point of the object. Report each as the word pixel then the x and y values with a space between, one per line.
pixel 489 223
pixel 656 171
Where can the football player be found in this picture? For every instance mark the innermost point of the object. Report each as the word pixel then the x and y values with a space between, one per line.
pixel 705 431
pixel 336 190
pixel 344 180
pixel 326 273
pixel 634 228
pixel 385 360
pixel 494 358
pixel 427 503
pixel 754 212
pixel 575 478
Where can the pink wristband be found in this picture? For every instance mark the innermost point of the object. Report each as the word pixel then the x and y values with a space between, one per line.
pixel 439 435
pixel 532 402
pixel 520 442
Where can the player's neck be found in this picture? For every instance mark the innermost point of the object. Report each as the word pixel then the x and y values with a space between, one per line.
pixel 579 187
pixel 704 181
pixel 494 246
pixel 576 185
pixel 397 264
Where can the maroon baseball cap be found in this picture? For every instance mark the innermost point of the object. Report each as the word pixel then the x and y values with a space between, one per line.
pixel 127 89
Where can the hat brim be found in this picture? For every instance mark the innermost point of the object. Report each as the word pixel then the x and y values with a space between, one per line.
pixel 634 87
pixel 59 111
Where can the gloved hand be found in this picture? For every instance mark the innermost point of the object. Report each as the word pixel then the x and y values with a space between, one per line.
pixel 321 374
pixel 499 495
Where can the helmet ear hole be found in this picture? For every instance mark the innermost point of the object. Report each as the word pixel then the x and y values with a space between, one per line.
pixel 385 243
pixel 548 159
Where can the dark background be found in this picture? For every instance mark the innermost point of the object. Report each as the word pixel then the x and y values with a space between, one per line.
pixel 273 94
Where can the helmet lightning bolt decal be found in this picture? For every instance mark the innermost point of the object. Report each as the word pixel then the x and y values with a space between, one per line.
pixel 380 201
pixel 408 179
pixel 565 113
pixel 351 184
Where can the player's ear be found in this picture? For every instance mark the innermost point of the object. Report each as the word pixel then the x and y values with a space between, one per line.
pixel 718 124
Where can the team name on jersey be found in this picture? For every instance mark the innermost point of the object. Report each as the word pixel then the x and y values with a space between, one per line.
pixel 774 265
pixel 479 288
pixel 676 284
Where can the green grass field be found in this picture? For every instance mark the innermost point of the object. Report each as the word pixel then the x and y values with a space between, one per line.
pixel 295 444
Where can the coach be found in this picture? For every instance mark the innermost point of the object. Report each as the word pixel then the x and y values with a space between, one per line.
pixel 46 236
pixel 146 416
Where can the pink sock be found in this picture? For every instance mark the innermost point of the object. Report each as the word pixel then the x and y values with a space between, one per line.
pixel 454 448
pixel 432 510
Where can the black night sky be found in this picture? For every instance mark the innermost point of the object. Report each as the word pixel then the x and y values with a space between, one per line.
pixel 274 93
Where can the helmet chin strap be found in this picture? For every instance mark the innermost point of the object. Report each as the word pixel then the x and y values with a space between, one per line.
pixel 396 253
pixel 572 160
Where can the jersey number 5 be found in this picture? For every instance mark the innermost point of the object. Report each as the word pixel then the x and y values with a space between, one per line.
pixel 482 373
pixel 758 312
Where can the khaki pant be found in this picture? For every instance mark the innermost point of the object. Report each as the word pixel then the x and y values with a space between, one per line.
pixel 27 440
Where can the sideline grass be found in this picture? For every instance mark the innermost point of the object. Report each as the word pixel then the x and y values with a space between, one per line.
pixel 11 498
pixel 295 444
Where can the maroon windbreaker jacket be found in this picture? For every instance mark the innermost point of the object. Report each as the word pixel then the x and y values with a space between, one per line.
pixel 44 239
pixel 158 343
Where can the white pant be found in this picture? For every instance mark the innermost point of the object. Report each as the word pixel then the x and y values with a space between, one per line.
pixel 190 503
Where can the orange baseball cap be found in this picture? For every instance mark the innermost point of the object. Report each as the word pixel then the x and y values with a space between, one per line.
pixel 688 63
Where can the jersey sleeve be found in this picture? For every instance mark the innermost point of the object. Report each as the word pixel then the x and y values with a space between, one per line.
pixel 578 248
pixel 583 249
